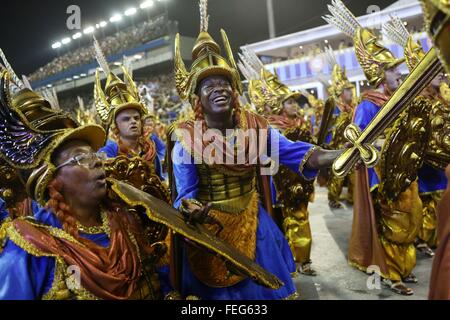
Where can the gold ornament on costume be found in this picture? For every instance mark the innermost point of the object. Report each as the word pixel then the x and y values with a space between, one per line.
pixel 437 21
pixel 251 69
pixel 428 68
pixel 30 127
pixel 403 152
pixel 438 152
pixel 339 80
pixel 373 58
pixel 38 111
pixel 118 95
pixel 265 87
pixel 445 92
pixel 84 115
pixel 207 60
pixel 140 174
pixel 396 31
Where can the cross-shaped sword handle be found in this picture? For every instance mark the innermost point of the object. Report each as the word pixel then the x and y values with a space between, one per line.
pixel 347 160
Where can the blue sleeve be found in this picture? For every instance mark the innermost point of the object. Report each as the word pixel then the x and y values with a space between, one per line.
pixel 111 149
pixel 185 173
pixel 35 207
pixel 291 154
pixel 23 276
pixel 160 146
pixel 364 114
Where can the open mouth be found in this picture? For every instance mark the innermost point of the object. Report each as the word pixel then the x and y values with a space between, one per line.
pixel 221 100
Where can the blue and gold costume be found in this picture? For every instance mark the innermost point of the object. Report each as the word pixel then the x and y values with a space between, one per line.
pixel 230 189
pixel 121 95
pixel 269 248
pixel 112 151
pixel 27 275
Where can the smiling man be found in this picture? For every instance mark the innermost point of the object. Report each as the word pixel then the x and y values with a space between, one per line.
pixel 230 190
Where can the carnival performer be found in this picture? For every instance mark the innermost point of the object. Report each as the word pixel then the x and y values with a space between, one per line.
pixel 342 91
pixel 81 245
pixel 432 181
pixel 121 111
pixel 292 192
pixel 385 223
pixel 213 86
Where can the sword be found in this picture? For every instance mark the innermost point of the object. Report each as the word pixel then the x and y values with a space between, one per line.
pixel 427 69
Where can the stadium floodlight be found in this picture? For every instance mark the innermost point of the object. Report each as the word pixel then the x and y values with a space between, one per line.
pixel 66 40
pixel 56 45
pixel 83 75
pixel 49 86
pixel 146 4
pixel 69 79
pixel 76 77
pixel 89 30
pixel 130 12
pixel 116 18
pixel 103 24
pixel 77 35
pixel 137 56
pixel 326 41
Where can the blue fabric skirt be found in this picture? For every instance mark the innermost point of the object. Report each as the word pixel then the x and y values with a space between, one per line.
pixel 272 253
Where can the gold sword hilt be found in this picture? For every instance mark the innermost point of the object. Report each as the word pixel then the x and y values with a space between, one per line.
pixel 364 151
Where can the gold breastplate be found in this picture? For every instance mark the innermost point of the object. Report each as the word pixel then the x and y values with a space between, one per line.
pixel 227 192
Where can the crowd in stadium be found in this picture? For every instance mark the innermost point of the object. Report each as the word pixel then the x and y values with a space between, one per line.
pixel 112 44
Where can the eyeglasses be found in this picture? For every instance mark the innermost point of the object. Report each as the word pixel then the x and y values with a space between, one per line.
pixel 86 160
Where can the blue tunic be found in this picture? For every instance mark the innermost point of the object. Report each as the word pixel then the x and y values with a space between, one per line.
pixel 431 180
pixel 272 250
pixel 364 114
pixel 26 277
pixel 112 151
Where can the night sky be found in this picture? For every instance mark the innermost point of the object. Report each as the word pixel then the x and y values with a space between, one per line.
pixel 29 27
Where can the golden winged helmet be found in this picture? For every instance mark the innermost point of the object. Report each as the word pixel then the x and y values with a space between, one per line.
pixel 265 88
pixel 339 80
pixel 117 95
pixel 373 58
pixel 32 130
pixel 207 60
pixel 396 31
